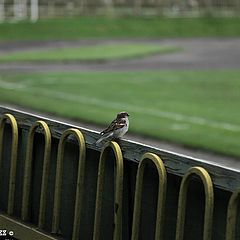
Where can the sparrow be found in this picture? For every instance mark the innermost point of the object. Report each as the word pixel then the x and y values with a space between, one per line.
pixel 117 128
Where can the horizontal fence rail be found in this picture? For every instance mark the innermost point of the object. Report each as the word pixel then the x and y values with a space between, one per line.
pixel 123 190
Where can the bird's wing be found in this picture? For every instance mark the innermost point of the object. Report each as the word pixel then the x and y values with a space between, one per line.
pixel 114 125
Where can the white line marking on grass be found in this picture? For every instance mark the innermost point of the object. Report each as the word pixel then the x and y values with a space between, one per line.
pixel 179 126
pixel 125 106
pixel 11 85
pixel 153 112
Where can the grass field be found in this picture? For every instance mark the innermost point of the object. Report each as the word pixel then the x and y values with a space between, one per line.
pixel 89 53
pixel 196 108
pixel 102 27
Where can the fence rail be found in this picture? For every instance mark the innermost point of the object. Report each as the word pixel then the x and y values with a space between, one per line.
pixel 57 184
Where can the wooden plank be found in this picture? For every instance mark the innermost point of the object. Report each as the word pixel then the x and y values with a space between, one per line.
pixel 22 231
pixel 223 177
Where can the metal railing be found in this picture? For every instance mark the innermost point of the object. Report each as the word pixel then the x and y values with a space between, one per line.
pixel 130 161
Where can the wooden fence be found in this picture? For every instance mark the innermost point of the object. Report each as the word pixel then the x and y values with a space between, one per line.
pixel 57 184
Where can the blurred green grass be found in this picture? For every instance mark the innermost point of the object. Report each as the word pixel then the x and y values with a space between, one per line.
pixel 103 27
pixel 195 108
pixel 89 53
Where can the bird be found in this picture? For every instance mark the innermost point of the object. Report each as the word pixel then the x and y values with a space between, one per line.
pixel 117 128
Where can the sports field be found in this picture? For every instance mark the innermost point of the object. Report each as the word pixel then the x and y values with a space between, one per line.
pixel 197 108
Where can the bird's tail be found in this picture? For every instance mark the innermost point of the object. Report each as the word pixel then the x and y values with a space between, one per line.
pixel 99 141
pixel 103 138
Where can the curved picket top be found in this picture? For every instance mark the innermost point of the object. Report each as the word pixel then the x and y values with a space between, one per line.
pixel 80 181
pixel 162 179
pixel 208 188
pixel 14 148
pixel 28 172
pixel 232 215
pixel 118 191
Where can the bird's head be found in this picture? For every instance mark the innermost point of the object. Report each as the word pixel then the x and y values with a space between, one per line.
pixel 122 115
